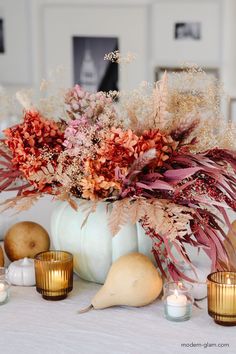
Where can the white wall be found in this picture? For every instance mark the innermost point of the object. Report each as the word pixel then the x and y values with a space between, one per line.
pixel 37 35
pixel 16 61
pixel 229 47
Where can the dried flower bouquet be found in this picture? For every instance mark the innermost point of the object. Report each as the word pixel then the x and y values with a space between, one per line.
pixel 161 155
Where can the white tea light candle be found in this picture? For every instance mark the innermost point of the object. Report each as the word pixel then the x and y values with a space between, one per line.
pixel 176 305
pixel 4 291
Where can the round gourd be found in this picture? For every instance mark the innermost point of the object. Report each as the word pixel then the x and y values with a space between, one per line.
pixel 132 281
pixel 25 239
pixel 1 257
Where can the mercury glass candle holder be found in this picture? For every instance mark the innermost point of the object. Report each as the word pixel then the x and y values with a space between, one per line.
pixel 221 294
pixel 54 274
pixel 4 290
pixel 178 301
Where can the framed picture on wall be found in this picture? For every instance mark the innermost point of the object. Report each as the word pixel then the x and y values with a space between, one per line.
pixel 91 71
pixel 1 36
pixel 187 31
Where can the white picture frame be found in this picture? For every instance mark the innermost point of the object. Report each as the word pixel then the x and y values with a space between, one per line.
pixel 204 49
pixel 15 61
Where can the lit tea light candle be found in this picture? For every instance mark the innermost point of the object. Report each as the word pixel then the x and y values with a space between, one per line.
pixel 54 274
pixel 229 293
pixel 178 301
pixel 222 297
pixel 57 281
pixel 228 281
pixel 176 305
pixel 3 293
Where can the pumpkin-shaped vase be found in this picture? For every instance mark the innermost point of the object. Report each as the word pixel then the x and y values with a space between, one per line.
pixel 92 244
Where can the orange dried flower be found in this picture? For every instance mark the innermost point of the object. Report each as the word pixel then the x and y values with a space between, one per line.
pixel 30 141
pixel 119 150
pixel 163 144
pixel 118 147
pixel 99 181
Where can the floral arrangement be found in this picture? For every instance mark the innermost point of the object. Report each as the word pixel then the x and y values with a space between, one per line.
pixel 161 155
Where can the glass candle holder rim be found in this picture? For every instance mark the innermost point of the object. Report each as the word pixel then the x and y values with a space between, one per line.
pixel 209 277
pixel 6 283
pixel 189 286
pixel 70 256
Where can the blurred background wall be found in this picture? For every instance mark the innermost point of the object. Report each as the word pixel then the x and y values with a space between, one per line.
pixel 38 35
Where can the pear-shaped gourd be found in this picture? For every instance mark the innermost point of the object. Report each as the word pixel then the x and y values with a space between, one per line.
pixel 132 281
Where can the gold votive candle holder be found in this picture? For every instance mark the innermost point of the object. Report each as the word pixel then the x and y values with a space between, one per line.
pixel 221 294
pixel 54 274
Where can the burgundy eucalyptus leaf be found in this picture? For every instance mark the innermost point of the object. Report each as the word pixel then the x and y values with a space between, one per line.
pixel 155 185
pixel 180 174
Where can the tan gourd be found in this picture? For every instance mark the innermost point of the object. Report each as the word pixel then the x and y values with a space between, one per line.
pixel 25 239
pixel 1 257
pixel 132 281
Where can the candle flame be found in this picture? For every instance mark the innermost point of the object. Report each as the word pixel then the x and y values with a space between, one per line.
pixel 180 285
pixel 228 281
pixel 176 293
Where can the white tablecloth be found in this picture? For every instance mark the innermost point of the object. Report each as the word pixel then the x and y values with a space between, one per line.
pixel 31 325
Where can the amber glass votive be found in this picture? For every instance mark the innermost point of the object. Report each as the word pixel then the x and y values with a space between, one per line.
pixel 221 294
pixel 54 274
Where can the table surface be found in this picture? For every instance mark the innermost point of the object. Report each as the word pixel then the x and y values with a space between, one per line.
pixel 31 325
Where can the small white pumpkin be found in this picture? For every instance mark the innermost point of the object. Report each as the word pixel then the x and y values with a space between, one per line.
pixel 22 272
